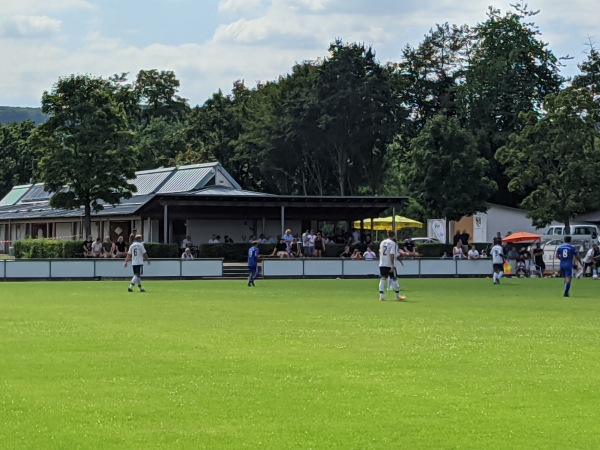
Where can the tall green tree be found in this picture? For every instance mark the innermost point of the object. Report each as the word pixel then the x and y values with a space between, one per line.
pixel 215 127
pixel 510 71
pixel 157 94
pixel 555 158
pixel 18 160
pixel 444 171
pixel 358 112
pixel 431 73
pixel 589 77
pixel 86 145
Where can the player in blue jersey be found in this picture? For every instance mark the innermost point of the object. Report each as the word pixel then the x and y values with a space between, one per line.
pixel 253 257
pixel 566 253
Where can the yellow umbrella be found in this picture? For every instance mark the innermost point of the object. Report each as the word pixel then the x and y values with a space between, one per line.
pixel 386 223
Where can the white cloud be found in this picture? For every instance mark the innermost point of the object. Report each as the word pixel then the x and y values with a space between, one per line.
pixel 10 7
pixel 254 40
pixel 29 26
pixel 237 6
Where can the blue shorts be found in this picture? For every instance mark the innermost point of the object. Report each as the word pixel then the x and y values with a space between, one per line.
pixel 567 272
pixel 253 269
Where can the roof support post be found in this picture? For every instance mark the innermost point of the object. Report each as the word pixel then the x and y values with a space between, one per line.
pixel 394 219
pixel 165 224
pixel 282 220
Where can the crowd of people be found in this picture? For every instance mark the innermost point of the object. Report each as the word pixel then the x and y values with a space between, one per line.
pixel 106 248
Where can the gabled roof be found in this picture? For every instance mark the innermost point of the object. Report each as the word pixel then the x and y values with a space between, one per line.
pixel 165 180
pixel 44 210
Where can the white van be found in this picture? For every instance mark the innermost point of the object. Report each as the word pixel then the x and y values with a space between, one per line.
pixel 587 233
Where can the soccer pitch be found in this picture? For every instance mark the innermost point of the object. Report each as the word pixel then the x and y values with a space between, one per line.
pixel 300 364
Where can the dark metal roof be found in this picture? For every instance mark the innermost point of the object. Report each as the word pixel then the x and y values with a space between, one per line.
pixel 147 183
pixel 187 179
pixel 14 195
pixel 230 203
pixel 187 194
pixel 44 211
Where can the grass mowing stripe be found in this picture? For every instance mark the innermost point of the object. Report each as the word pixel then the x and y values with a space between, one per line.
pixel 299 364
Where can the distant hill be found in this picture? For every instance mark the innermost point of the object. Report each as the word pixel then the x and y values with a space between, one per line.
pixel 10 114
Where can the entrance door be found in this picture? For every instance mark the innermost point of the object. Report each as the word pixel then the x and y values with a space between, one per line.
pixel 119 229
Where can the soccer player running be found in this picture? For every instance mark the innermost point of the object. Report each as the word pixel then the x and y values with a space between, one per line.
pixel 137 254
pixel 388 249
pixel 566 252
pixel 253 257
pixel 498 259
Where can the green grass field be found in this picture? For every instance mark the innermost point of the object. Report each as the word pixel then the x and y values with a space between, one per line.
pixel 300 364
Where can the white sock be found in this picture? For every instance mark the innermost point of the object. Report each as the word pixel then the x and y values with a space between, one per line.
pixel 381 287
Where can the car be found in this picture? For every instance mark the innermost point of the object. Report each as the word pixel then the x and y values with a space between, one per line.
pixel 550 259
pixel 425 240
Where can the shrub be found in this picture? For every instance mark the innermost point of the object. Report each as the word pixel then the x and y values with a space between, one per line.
pixel 39 248
pixel 157 250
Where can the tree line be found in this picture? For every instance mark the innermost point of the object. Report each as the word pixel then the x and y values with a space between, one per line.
pixel 472 114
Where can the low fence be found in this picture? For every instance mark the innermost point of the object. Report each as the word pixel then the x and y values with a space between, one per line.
pixel 50 269
pixel 421 267
pixel 57 269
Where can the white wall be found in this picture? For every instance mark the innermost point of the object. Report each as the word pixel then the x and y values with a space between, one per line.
pixel 63 231
pixel 505 219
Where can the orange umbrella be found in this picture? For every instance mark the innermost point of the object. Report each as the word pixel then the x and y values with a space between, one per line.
pixel 521 236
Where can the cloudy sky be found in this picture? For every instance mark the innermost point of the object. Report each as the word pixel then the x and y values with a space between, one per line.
pixel 211 43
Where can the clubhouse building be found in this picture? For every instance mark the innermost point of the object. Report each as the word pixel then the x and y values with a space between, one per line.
pixel 199 200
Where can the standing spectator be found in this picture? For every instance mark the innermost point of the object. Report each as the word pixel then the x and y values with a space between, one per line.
pixel 253 257
pixel 137 254
pixel 319 245
pixel 588 262
pixel 388 249
pixel 304 240
pixel 456 238
pixel 457 250
pixel 288 238
pixel 473 253
pixel 228 240
pixel 213 239
pixel 355 236
pixel 566 253
pixel 347 235
pixel 464 237
pixel 369 254
pixel 538 258
pixel 132 236
pixel 186 243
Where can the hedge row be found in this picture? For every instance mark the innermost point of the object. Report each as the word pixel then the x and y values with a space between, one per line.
pixel 51 248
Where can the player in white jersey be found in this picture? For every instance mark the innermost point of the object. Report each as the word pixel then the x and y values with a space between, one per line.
pixel 497 254
pixel 388 250
pixel 137 254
